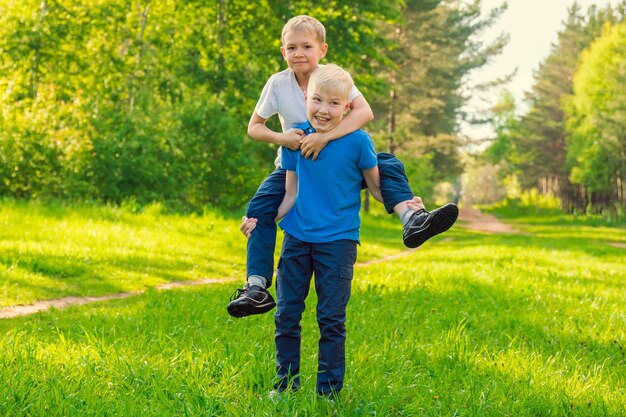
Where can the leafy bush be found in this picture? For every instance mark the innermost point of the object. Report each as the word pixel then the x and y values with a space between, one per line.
pixel 188 154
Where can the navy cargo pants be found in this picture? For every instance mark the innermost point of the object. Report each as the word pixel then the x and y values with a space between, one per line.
pixel 332 264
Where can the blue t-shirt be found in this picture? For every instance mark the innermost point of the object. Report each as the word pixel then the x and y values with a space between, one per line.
pixel 329 189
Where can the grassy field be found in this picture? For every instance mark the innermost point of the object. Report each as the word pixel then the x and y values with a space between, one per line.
pixel 52 251
pixel 472 324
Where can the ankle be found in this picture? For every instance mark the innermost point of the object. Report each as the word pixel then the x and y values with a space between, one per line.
pixel 257 280
pixel 406 215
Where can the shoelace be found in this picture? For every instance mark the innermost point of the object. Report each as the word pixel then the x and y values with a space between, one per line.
pixel 237 293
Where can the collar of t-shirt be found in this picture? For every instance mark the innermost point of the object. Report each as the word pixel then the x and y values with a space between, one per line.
pixel 306 127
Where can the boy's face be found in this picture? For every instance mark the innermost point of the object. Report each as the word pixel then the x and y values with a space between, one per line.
pixel 325 110
pixel 302 51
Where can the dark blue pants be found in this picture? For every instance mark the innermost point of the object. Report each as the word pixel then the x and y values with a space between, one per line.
pixel 394 187
pixel 332 263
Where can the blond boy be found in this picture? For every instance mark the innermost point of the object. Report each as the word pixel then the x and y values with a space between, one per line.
pixel 321 224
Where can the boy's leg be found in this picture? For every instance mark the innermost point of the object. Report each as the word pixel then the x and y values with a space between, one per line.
pixel 254 297
pixel 262 241
pixel 418 226
pixel 333 264
pixel 292 287
pixel 394 184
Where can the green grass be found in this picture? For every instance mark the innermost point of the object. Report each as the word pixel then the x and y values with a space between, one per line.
pixel 470 325
pixel 55 251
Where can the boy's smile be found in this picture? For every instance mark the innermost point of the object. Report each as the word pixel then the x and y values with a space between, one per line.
pixel 325 110
pixel 302 51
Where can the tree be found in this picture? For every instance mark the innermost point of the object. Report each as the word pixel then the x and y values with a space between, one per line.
pixel 543 142
pixel 597 119
pixel 508 132
pixel 436 47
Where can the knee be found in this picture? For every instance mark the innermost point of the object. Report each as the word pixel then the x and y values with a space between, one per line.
pixel 262 208
pixel 384 156
pixel 286 323
pixel 387 161
pixel 332 325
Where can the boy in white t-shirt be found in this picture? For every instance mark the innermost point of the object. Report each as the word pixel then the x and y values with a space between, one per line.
pixel 303 46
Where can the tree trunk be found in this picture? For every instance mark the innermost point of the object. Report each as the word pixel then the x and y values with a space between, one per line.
pixel 133 77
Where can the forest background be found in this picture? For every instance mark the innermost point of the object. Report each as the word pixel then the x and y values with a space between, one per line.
pixel 143 101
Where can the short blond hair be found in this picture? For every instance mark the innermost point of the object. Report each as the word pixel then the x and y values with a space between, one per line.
pixel 306 24
pixel 332 79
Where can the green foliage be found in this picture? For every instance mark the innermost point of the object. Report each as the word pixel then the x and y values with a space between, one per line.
pixel 597 148
pixel 535 146
pixel 192 154
pixel 421 174
pixel 124 99
pixel 528 203
pixel 45 147
pixel 149 100
pixel 434 49
pixel 505 126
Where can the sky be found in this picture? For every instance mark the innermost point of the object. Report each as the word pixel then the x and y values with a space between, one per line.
pixel 532 26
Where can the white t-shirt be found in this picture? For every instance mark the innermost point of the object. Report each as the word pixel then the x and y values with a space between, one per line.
pixel 283 96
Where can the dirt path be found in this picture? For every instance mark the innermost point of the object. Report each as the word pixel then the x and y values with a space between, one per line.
pixel 470 219
pixel 476 220
pixel 473 219
pixel 59 303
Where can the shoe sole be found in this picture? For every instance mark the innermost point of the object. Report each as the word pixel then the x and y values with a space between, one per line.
pixel 244 310
pixel 443 219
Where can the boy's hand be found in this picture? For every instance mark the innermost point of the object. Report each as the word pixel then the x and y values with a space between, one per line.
pixel 313 144
pixel 291 139
pixel 416 204
pixel 247 226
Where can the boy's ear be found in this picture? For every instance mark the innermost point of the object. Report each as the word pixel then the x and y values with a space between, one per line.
pixel 324 50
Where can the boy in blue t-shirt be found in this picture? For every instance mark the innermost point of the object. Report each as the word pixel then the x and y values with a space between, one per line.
pixel 321 224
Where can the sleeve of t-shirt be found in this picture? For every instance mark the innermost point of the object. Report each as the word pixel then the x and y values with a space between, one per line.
pixel 267 106
pixel 368 159
pixel 288 159
pixel 353 94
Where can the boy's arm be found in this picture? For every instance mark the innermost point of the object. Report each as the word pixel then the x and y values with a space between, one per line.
pixel 291 190
pixel 259 131
pixel 360 114
pixel 372 178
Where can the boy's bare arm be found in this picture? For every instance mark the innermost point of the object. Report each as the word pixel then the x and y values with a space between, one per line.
pixel 259 131
pixel 360 114
pixel 372 178
pixel 291 190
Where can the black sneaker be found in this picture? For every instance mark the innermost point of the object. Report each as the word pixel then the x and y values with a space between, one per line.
pixel 251 299
pixel 423 224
